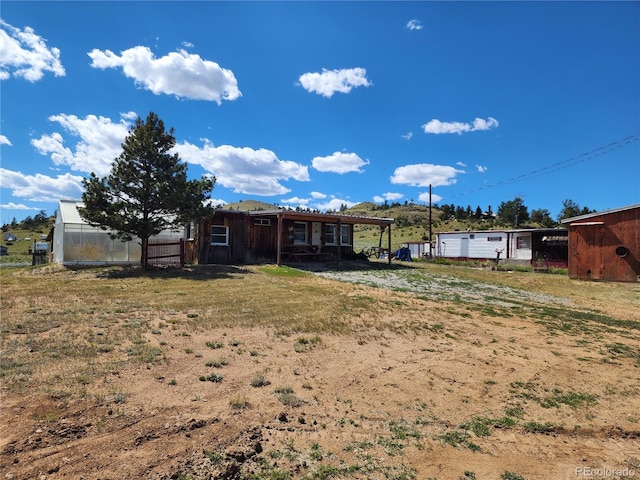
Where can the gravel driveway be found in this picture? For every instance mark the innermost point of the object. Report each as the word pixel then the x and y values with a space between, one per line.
pixel 442 287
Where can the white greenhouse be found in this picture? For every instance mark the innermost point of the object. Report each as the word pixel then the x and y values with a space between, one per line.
pixel 75 242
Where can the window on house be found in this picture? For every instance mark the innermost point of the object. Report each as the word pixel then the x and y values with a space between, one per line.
pixel 494 239
pixel 264 222
pixel 190 231
pixel 345 235
pixel 219 235
pixel 523 242
pixel 300 232
pixel 330 234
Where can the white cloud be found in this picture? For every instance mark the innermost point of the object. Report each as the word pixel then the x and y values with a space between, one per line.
pixel 437 127
pixel 4 140
pixel 481 168
pixel 41 188
pixel 425 174
pixel 424 197
pixel 177 73
pixel 414 24
pixel 26 54
pixel 295 201
pixel 243 169
pixel 318 195
pixel 100 142
pixel 334 204
pixel 408 136
pixel 481 124
pixel 461 164
pixel 331 81
pixel 17 206
pixel 388 196
pixel 339 162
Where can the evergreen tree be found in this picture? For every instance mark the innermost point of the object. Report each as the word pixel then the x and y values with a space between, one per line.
pixel 147 190
pixel 572 209
pixel 513 212
pixel 543 218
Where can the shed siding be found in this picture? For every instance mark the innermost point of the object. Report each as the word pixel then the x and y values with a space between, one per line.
pixel 606 246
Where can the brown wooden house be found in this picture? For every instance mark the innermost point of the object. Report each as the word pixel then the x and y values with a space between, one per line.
pixel 605 245
pixel 279 236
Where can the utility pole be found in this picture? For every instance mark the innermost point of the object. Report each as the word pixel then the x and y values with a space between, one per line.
pixel 430 229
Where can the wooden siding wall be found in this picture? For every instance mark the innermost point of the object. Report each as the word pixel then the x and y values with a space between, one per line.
pixel 253 239
pixel 592 248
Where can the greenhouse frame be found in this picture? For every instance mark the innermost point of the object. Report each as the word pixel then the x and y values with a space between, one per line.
pixel 75 242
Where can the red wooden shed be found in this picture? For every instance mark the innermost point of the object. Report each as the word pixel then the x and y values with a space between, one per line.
pixel 605 245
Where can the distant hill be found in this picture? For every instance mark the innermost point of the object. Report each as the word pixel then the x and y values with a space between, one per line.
pixel 249 206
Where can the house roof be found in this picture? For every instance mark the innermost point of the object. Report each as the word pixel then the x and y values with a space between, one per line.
pixel 597 214
pixel 313 216
pixel 548 231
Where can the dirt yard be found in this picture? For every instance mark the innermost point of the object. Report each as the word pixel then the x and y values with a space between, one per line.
pixel 415 373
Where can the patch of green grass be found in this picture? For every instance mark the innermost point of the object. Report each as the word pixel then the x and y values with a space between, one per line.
pixel 212 377
pixel 259 380
pixel 458 438
pixel 145 353
pixel 239 403
pixel 283 271
pixel 479 426
pixel 507 475
pixel 303 344
pixel 286 397
pixel 217 363
pixel 572 399
pixel 536 427
pixel 214 345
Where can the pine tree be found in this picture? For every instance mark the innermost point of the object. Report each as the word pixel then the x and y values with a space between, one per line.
pixel 147 190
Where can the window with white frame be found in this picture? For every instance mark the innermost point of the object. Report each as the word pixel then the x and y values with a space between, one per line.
pixel 300 233
pixel 345 234
pixel 330 234
pixel 219 235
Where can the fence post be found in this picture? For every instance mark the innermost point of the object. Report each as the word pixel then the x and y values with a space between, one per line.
pixel 182 252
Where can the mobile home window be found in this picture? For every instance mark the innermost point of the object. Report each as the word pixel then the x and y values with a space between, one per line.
pixel 345 235
pixel 494 239
pixel 300 232
pixel 330 234
pixel 219 235
pixel 523 242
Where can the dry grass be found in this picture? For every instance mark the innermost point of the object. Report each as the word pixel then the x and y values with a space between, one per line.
pixel 333 379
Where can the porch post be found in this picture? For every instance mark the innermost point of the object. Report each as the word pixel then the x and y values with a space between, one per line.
pixel 339 233
pixel 279 240
pixel 389 256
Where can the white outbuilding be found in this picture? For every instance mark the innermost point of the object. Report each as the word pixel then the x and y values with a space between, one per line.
pixel 524 246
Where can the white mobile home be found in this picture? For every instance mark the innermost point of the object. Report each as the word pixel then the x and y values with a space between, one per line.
pixel 525 246
pixel 75 242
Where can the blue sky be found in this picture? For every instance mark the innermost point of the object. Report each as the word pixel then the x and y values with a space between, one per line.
pixel 319 104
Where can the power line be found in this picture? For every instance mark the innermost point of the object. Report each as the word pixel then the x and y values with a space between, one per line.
pixel 583 157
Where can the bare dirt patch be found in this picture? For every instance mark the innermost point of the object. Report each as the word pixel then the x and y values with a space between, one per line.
pixel 265 373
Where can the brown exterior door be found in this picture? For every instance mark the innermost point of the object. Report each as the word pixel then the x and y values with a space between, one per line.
pixel 587 253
